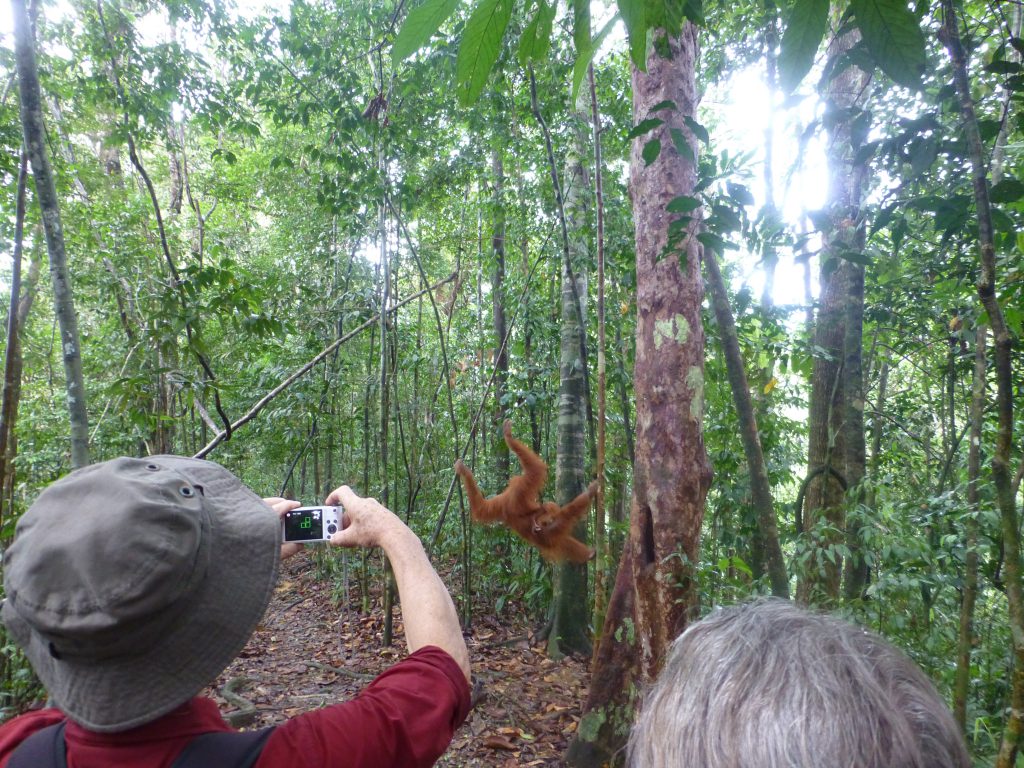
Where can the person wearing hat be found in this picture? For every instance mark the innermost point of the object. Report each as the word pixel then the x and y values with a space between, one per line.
pixel 133 583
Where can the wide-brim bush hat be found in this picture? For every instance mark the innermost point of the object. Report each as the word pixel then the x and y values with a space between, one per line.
pixel 133 583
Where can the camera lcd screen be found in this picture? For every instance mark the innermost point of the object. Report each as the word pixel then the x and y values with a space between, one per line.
pixel 304 525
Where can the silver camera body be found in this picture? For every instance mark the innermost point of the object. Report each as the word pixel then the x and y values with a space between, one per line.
pixel 306 525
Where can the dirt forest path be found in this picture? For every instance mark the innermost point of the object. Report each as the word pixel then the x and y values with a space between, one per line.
pixel 309 653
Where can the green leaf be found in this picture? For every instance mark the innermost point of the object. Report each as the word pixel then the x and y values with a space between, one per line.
pixel 694 11
pixel 666 104
pixel 643 127
pixel 634 16
pixel 535 41
pixel 583 59
pixel 865 153
pixel 1003 67
pixel 651 151
pixel 893 35
pixel 724 219
pixel 480 46
pixel 682 204
pixel 698 130
pixel 580 25
pixel 678 227
pixel 420 25
pixel 857 257
pixel 989 128
pixel 714 242
pixel 681 144
pixel 739 193
pixel 923 154
pixel 1007 191
pixel 805 30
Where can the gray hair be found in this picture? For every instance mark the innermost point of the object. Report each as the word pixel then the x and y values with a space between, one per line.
pixel 772 685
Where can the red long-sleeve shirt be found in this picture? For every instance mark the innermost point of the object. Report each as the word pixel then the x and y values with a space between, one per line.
pixel 405 717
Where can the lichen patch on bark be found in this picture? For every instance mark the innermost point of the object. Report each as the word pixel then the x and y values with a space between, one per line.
pixel 675 328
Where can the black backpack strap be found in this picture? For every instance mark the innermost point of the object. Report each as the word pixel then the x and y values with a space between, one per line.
pixel 43 749
pixel 224 749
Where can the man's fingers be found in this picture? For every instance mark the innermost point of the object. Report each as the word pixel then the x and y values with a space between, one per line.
pixel 280 505
pixel 344 538
pixel 342 495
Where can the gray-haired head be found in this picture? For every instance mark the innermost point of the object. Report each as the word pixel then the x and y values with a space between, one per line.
pixel 771 685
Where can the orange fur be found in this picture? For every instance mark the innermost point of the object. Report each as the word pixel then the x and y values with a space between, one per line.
pixel 546 525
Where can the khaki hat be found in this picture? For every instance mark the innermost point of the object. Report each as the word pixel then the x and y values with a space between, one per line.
pixel 133 583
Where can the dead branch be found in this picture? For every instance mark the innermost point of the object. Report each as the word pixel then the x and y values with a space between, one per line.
pixel 221 436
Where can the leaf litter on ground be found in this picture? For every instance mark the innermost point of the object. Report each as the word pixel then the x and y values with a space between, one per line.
pixel 310 652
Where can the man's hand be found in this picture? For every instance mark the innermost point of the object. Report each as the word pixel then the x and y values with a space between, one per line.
pixel 365 522
pixel 427 609
pixel 281 506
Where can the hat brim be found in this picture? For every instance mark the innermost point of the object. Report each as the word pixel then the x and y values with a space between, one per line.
pixel 123 692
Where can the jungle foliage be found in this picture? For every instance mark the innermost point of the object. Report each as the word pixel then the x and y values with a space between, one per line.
pixel 247 191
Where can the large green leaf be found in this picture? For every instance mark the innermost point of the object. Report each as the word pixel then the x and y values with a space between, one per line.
pixel 644 126
pixel 480 46
pixel 808 21
pixel 535 41
pixel 420 25
pixel 580 25
pixel 634 15
pixel 893 35
pixel 670 14
pixel 651 151
pixel 585 56
pixel 1009 190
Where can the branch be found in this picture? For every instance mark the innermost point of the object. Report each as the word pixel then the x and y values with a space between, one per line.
pixel 262 403
pixel 798 507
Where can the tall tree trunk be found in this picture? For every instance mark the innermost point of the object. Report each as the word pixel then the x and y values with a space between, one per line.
pixel 969 593
pixel 175 144
pixel 831 436
pixel 1001 453
pixel 600 534
pixel 12 358
pixel 569 612
pixel 498 305
pixel 24 307
pixel 7 403
pixel 46 194
pixel 760 488
pixel 855 573
pixel 655 594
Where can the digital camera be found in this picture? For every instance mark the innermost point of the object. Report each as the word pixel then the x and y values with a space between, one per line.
pixel 309 524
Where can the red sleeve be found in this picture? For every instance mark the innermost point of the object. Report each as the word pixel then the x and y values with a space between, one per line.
pixel 15 731
pixel 405 718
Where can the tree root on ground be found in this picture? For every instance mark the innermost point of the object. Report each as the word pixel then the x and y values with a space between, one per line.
pixel 246 712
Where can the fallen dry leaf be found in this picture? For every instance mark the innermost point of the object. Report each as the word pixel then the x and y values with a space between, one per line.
pixel 499 742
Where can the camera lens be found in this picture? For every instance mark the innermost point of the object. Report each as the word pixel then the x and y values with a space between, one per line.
pixel 332 528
